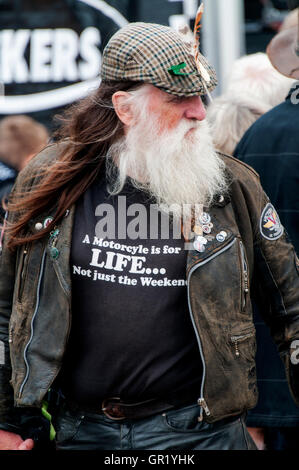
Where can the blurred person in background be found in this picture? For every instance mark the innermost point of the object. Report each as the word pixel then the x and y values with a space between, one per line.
pixel 21 137
pixel 230 115
pixel 271 146
pixel 273 13
pixel 290 20
pixel 253 88
pixel 254 76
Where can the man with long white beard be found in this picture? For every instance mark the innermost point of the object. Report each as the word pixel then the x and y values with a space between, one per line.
pixel 180 165
pixel 131 250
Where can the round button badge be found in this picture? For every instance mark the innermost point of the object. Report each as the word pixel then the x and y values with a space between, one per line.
pixel 221 236
pixel 205 218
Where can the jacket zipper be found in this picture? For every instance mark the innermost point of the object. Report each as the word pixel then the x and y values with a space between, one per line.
pixel 22 275
pixel 245 286
pixel 32 322
pixel 236 339
pixel 201 401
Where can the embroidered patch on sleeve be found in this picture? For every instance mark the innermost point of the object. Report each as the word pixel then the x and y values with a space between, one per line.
pixel 270 225
pixel 2 353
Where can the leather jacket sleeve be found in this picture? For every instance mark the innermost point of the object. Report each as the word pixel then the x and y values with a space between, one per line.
pixel 276 284
pixel 8 418
pixel 12 419
pixel 28 422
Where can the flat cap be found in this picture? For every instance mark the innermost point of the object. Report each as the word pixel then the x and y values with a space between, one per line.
pixel 159 55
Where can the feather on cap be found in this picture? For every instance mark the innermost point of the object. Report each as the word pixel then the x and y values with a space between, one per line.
pixel 192 39
pixel 197 26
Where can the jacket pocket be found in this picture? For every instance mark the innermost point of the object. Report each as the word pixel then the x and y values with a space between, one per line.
pixel 244 343
pixel 244 276
pixel 220 279
pixel 243 347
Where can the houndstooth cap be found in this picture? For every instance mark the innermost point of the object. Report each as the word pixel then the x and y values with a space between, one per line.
pixel 155 54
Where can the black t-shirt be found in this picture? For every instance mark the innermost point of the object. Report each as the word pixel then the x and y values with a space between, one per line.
pixel 131 333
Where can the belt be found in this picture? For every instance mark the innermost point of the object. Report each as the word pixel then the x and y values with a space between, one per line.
pixel 114 408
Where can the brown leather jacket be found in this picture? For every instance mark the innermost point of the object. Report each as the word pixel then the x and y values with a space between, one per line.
pixel 254 255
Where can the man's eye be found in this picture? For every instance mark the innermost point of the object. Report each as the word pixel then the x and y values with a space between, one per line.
pixel 176 99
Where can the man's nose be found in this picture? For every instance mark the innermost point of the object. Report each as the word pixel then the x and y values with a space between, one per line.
pixel 195 109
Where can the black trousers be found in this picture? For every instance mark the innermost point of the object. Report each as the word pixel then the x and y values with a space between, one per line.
pixel 177 429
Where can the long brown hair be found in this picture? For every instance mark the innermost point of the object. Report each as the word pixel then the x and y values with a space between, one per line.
pixel 88 129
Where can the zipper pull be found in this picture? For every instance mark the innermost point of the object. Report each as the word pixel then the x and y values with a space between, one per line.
pixel 236 348
pixel 235 343
pixel 10 335
pixel 245 274
pixel 246 280
pixel 203 404
pixel 24 258
pixel 246 290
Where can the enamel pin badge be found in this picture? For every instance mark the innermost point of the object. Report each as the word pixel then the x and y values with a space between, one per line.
pixel 47 221
pixel 54 252
pixel 202 229
pixel 200 244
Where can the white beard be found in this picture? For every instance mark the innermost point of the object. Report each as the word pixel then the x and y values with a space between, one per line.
pixel 174 169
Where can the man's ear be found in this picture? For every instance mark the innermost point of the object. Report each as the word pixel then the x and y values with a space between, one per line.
pixel 122 108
